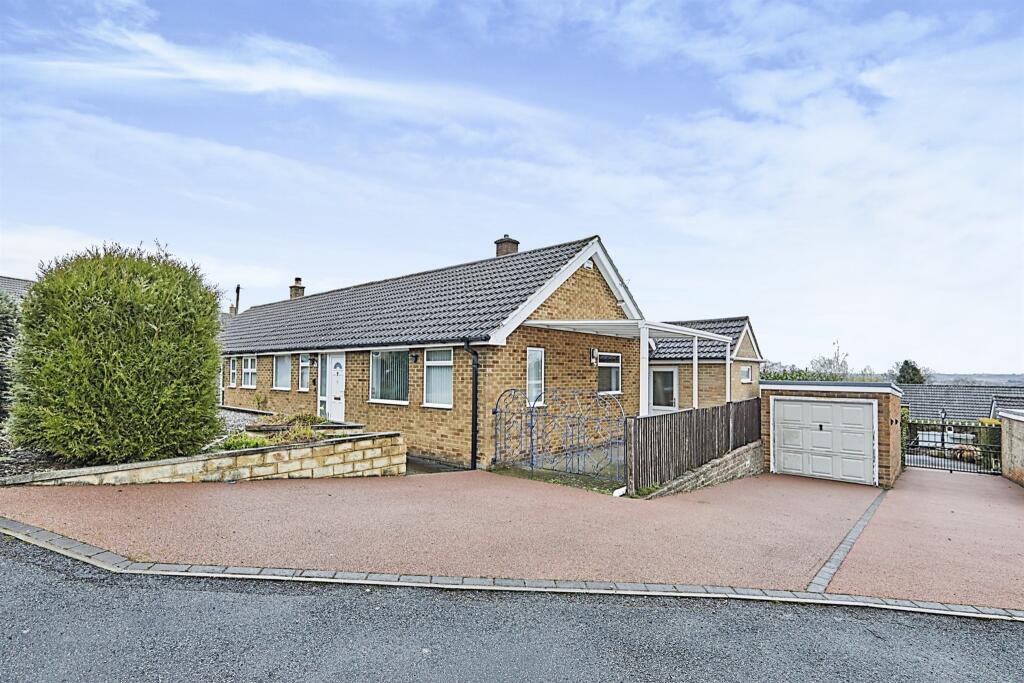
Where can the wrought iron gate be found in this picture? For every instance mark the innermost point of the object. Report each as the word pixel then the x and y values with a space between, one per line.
pixel 952 445
pixel 563 430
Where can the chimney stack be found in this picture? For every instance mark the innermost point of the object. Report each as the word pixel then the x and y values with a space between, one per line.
pixel 232 310
pixel 296 290
pixel 505 246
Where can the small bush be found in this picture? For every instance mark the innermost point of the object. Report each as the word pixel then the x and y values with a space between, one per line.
pixel 117 359
pixel 241 440
pixel 8 334
pixel 297 434
pixel 305 419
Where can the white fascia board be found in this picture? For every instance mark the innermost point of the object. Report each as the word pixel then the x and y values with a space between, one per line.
pixel 747 332
pixel 594 250
pixel 851 388
pixel 1011 415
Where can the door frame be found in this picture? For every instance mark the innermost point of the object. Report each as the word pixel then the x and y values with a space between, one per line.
pixel 660 410
pixel 874 426
pixel 329 359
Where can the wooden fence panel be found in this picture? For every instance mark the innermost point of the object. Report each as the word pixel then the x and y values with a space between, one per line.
pixel 663 447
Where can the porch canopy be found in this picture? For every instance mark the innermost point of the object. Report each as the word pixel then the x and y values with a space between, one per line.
pixel 646 332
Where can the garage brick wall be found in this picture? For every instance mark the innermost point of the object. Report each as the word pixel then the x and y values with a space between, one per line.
pixel 888 427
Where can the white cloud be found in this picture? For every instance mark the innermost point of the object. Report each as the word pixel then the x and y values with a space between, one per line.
pixel 25 247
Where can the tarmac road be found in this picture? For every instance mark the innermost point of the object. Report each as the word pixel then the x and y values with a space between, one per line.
pixel 63 620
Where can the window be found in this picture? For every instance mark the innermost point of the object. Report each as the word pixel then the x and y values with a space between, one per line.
pixel 282 372
pixel 248 372
pixel 663 388
pixel 389 376
pixel 437 378
pixel 321 384
pixel 303 372
pixel 232 371
pixel 609 373
pixel 534 374
pixel 746 377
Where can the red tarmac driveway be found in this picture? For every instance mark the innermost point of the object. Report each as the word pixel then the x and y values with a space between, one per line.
pixel 940 536
pixel 770 532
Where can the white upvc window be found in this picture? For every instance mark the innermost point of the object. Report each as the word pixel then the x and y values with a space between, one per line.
pixel 609 373
pixel 746 374
pixel 232 371
pixel 534 374
pixel 389 377
pixel 321 384
pixel 248 372
pixel 304 372
pixel 282 372
pixel 438 371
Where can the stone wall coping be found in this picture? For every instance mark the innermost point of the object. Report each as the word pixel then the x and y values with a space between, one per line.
pixel 32 477
pixel 316 427
pixel 240 409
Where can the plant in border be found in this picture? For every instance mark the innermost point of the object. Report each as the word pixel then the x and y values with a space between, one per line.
pixel 117 359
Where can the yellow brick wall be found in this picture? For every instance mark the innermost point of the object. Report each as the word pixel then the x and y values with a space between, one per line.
pixel 584 296
pixel 291 402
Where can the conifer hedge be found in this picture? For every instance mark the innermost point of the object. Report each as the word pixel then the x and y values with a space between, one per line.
pixel 118 359
pixel 8 334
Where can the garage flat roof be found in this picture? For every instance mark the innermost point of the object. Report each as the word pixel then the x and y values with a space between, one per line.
pixel 863 387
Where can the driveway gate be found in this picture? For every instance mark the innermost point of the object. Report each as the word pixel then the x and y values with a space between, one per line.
pixel 952 445
pixel 563 430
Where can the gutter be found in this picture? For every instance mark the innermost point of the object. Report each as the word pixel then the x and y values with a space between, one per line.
pixel 475 419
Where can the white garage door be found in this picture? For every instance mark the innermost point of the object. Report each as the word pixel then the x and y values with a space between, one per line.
pixel 827 439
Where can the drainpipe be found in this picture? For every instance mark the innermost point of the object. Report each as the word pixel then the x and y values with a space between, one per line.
pixel 474 421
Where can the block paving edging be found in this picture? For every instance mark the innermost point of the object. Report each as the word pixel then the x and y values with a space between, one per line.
pixel 821 580
pixel 119 564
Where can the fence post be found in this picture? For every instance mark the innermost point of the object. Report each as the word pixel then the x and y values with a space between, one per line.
pixel 729 413
pixel 630 479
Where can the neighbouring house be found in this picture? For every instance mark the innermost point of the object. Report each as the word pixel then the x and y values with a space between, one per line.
pixel 960 401
pixel 15 287
pixel 429 354
pixel 726 371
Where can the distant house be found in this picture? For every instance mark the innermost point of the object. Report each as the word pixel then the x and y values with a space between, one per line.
pixel 959 401
pixel 15 287
pixel 429 354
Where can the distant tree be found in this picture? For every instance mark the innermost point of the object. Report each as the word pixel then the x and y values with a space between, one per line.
pixel 834 367
pixel 822 369
pixel 907 372
pixel 910 374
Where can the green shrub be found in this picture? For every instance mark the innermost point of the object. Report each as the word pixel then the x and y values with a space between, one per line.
pixel 297 434
pixel 305 419
pixel 117 359
pixel 8 334
pixel 240 440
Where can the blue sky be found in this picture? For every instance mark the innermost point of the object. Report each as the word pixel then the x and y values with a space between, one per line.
pixel 842 170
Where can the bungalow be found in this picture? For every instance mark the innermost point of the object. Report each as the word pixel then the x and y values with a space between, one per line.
pixel 429 354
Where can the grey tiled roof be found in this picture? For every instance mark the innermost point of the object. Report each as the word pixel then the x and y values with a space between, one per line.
pixel 682 349
pixel 1005 402
pixel 961 401
pixel 467 301
pixel 15 286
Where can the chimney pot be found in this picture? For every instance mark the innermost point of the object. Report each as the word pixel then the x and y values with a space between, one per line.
pixel 505 246
pixel 296 290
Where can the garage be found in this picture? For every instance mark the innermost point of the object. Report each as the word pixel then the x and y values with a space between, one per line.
pixel 845 431
pixel 831 439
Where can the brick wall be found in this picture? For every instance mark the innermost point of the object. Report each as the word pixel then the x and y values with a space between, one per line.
pixel 1013 449
pixel 711 383
pixel 278 401
pixel 584 296
pixel 888 427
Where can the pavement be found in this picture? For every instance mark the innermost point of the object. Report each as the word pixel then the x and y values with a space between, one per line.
pixel 62 620
pixel 770 532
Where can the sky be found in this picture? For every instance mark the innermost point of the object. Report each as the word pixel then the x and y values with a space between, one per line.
pixel 845 171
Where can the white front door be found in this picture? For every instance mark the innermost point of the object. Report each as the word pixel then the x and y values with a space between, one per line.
pixel 826 439
pixel 664 390
pixel 336 387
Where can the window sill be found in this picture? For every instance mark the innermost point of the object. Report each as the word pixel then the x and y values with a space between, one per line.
pixel 609 393
pixel 439 406
pixel 280 388
pixel 746 381
pixel 302 391
pixel 245 386
pixel 386 402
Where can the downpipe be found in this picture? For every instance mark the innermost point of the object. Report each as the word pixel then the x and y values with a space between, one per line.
pixel 474 403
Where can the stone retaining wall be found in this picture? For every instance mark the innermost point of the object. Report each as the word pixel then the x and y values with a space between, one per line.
pixel 742 462
pixel 362 455
pixel 1013 446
